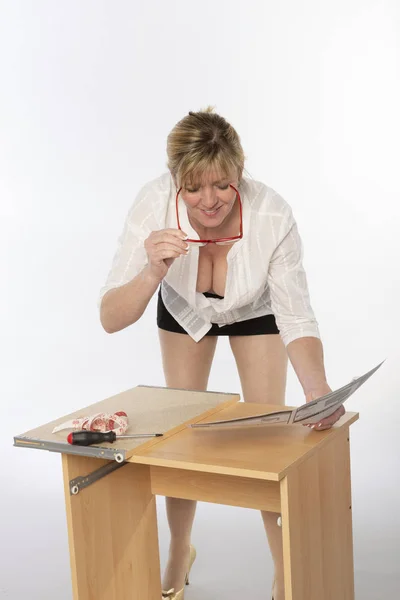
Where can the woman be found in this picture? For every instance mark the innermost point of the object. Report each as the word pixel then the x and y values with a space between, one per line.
pixel 227 254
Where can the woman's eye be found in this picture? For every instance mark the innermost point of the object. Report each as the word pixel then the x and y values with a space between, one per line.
pixel 194 190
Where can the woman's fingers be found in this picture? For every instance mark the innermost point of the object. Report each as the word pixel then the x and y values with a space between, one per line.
pixel 171 236
pixel 329 421
pixel 170 246
pixel 164 253
pixel 163 240
pixel 162 248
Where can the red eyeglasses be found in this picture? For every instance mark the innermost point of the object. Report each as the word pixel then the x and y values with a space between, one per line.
pixel 219 241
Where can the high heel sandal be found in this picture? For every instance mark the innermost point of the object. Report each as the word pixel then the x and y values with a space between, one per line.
pixel 171 594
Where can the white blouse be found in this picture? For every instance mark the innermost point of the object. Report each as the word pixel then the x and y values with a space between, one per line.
pixel 264 276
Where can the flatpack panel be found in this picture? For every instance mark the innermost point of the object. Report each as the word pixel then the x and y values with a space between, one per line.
pixel 149 409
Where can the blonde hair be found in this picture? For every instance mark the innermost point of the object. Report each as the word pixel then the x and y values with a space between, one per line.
pixel 200 141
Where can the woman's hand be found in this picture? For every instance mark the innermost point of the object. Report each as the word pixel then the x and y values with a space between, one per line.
pixel 328 421
pixel 162 248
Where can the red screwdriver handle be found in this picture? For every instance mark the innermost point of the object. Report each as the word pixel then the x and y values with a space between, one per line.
pixel 87 438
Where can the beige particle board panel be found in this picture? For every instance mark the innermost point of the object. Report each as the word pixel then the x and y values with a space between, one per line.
pixel 149 409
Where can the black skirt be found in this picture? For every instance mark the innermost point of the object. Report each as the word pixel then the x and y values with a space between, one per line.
pixel 256 326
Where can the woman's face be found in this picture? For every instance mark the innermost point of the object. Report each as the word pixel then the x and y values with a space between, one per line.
pixel 210 201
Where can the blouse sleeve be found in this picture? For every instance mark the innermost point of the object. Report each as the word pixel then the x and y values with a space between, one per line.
pixel 290 301
pixel 130 256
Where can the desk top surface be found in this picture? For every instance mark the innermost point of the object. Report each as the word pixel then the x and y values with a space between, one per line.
pixel 256 451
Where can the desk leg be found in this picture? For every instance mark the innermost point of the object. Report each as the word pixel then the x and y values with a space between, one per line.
pixel 317 525
pixel 112 529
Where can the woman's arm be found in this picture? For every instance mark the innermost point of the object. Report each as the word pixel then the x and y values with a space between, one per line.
pixel 144 254
pixel 307 358
pixel 295 318
pixel 124 305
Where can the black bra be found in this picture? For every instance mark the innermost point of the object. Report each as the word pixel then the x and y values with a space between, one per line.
pixel 212 295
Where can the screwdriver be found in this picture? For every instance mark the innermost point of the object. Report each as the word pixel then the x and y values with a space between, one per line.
pixel 87 438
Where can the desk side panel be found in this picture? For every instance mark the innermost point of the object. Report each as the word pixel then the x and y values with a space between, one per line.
pixel 112 529
pixel 317 525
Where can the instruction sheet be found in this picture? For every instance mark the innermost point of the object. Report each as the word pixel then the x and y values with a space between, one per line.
pixel 309 413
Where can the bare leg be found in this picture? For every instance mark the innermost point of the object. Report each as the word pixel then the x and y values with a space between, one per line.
pixel 262 367
pixel 274 535
pixel 187 365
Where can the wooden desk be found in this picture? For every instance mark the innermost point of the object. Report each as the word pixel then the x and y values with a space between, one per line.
pixel 292 470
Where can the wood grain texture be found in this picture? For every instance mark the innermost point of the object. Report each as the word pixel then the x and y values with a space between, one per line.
pixel 266 452
pixel 112 530
pixel 336 515
pixel 317 525
pixel 219 489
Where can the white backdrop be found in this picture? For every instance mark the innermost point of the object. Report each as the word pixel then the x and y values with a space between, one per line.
pixel 89 91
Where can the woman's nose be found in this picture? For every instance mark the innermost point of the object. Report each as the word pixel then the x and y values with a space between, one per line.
pixel 209 198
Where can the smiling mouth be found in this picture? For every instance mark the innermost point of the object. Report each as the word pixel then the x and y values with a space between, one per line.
pixel 210 213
